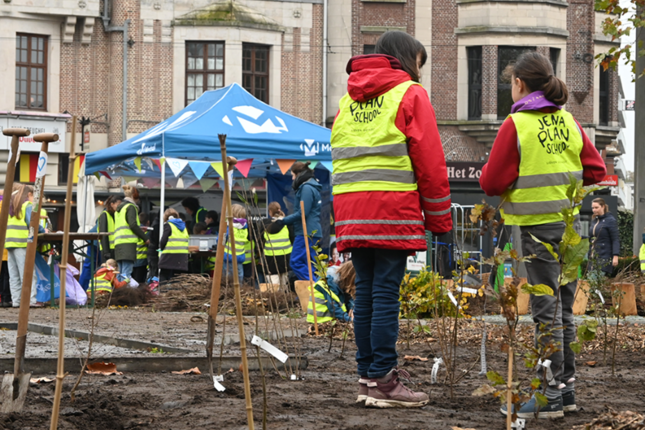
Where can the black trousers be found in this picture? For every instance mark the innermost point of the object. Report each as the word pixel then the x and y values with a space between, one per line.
pixel 5 290
pixel 140 273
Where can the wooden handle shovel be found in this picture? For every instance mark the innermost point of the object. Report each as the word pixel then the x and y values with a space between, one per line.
pixel 14 387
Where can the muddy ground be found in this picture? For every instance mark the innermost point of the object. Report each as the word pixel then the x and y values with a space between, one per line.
pixel 324 399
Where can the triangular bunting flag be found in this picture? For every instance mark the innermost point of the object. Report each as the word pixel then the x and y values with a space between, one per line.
pixel 106 175
pixel 128 179
pixel 98 175
pixel 285 165
pixel 157 163
pixel 177 165
pixel 217 166
pixel 313 164
pixel 188 182
pixel 149 163
pixel 198 168
pixel 244 166
pixel 137 162
pixel 172 182
pixel 206 184
pixel 150 182
pixel 327 165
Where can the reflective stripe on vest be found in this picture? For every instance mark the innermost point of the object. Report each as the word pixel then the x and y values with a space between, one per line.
pixel 248 253
pixel 369 153
pixel 17 229
pixel 550 147
pixel 197 214
pixel 177 241
pixel 101 283
pixel 277 244
pixel 122 232
pixel 142 250
pixel 324 312
pixel 241 238
pixel 110 227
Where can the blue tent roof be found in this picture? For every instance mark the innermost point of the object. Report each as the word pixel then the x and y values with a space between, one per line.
pixel 253 129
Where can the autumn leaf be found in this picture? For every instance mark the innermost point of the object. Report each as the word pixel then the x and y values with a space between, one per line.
pixel 414 357
pixel 495 378
pixel 541 399
pixel 484 390
pixel 538 290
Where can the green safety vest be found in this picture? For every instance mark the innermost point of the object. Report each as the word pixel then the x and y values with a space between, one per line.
pixel 241 238
pixel 110 223
pixel 142 250
pixel 43 224
pixel 641 255
pixel 177 242
pixel 324 311
pixel 277 244
pixel 122 232
pixel 197 214
pixel 368 152
pixel 550 145
pixel 101 283
pixel 17 229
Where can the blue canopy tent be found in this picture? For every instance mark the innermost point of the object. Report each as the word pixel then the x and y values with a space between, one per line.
pixel 188 142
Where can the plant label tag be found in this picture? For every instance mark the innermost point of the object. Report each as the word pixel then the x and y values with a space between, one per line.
pixel 452 299
pixel 294 378
pixel 435 370
pixel 518 424
pixel 258 341
pixel 41 169
pixel 216 382
pixel 468 290
pixel 602 299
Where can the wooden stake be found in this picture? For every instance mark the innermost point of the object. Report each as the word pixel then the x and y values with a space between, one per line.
pixel 236 286
pixel 60 372
pixel 15 134
pixel 217 274
pixel 311 275
pixel 509 392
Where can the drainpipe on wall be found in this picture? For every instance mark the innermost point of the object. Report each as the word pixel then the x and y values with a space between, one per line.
pixel 124 29
pixel 324 65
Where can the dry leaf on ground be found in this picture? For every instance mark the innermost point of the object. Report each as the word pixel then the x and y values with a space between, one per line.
pixel 102 369
pixel 591 363
pixel 42 380
pixel 193 371
pixel 414 357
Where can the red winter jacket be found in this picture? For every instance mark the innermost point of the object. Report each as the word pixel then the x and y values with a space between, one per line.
pixel 503 165
pixel 371 76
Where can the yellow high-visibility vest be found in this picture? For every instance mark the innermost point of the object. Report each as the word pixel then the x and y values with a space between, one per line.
pixel 324 311
pixel 241 238
pixel 177 242
pixel 110 223
pixel 550 145
pixel 101 283
pixel 277 244
pixel 368 152
pixel 122 232
pixel 17 229
pixel 641 255
pixel 142 250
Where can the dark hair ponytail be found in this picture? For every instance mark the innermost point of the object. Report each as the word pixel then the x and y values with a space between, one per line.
pixel 299 167
pixel 536 71
pixel 404 48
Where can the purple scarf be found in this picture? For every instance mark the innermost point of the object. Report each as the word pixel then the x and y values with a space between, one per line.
pixel 534 101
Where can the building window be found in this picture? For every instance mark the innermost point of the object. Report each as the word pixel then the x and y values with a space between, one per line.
pixel 506 55
pixel 474 54
pixel 603 93
pixel 63 167
pixel 31 72
pixel 255 70
pixel 204 68
pixel 554 54
pixel 368 49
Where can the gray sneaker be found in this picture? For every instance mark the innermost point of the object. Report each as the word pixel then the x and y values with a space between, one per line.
pixel 393 394
pixel 528 410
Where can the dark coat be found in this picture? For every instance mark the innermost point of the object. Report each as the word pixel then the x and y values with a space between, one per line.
pixel 107 252
pixel 128 251
pixel 177 262
pixel 309 193
pixel 605 243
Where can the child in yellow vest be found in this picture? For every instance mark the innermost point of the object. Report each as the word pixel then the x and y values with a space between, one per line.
pixel 106 280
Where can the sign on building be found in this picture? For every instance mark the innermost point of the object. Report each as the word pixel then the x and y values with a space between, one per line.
pixel 630 105
pixel 36 123
pixel 609 181
pixel 464 171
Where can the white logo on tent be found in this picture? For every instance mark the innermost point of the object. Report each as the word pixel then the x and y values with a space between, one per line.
pixel 310 147
pixel 165 126
pixel 250 127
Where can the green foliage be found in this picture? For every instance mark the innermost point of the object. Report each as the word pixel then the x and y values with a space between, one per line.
pixel 541 399
pixel 495 378
pixel 587 331
pixel 425 295
pixel 620 21
pixel 576 347
pixel 626 232
pixel 538 290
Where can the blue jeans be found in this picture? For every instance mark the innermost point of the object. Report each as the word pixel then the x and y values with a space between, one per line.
pixel 228 270
pixel 299 258
pixel 125 269
pixel 376 310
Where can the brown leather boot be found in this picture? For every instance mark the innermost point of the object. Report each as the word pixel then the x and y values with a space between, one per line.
pixel 389 392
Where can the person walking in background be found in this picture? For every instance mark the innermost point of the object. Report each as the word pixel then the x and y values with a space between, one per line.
pixel 20 213
pixel 194 210
pixel 605 240
pixel 106 225
pixel 388 172
pixel 140 271
pixel 5 287
pixel 308 191
pixel 536 150
pixel 127 232
pixel 173 245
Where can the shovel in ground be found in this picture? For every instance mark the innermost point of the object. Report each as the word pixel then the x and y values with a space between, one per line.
pixel 14 386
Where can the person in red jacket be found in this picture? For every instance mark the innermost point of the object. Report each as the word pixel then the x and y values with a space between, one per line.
pixel 536 150
pixel 390 186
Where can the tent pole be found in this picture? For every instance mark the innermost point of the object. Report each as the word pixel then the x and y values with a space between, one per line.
pixel 162 205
